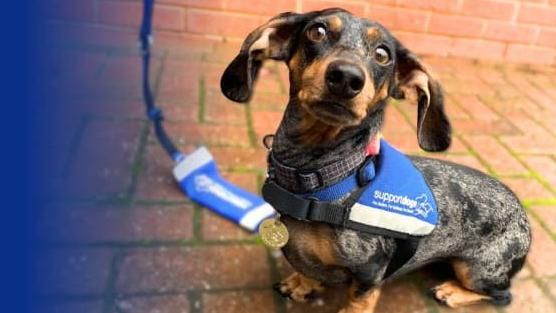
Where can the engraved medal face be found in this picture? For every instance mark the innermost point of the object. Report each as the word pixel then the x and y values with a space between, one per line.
pixel 274 233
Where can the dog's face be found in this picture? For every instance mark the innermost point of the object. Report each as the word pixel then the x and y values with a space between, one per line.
pixel 342 68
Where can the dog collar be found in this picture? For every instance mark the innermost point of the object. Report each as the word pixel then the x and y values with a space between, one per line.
pixel 307 180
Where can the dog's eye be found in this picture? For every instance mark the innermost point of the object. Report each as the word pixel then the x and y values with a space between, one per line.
pixel 382 56
pixel 317 33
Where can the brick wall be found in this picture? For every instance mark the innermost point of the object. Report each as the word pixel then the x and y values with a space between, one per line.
pixel 521 31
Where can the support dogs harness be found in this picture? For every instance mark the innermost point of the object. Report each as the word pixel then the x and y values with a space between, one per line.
pixel 385 195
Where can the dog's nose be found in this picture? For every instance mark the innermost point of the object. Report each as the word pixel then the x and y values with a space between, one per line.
pixel 344 79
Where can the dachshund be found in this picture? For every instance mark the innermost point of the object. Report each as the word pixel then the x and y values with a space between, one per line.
pixel 342 72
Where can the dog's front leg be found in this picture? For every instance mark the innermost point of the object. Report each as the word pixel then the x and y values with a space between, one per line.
pixel 362 302
pixel 298 287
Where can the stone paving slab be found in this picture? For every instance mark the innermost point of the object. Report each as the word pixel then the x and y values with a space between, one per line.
pixel 132 242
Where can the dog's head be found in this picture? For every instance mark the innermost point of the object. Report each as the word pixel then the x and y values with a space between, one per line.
pixel 342 68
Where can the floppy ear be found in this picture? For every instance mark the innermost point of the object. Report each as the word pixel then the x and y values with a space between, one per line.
pixel 434 132
pixel 272 40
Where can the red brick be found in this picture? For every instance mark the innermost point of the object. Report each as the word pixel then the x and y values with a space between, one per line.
pixel 477 49
pixel 216 227
pixel 221 23
pixel 266 122
pixel 543 251
pixel 265 7
pixel 240 158
pixel 530 54
pixel 239 301
pixel 456 25
pixel 120 224
pixel 531 144
pixel 400 19
pixel 205 4
pixel 353 7
pixel 130 14
pixel 527 188
pixel 218 109
pixel 150 304
pixel 467 160
pixel 183 269
pixel 186 133
pixel 550 283
pixel 490 9
pixel 509 32
pixel 528 297
pixel 547 214
pixel 401 291
pixel 82 11
pixel 90 306
pixel 481 127
pixel 73 271
pixel 438 6
pixel 537 14
pixel 95 173
pixel 543 166
pixel 426 44
pixel 499 159
pixel 547 37
pixel 156 181
pixel 475 107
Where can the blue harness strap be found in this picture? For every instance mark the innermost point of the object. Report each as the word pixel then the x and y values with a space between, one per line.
pixel 388 196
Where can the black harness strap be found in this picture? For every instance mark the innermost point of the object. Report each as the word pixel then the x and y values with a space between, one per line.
pixel 313 210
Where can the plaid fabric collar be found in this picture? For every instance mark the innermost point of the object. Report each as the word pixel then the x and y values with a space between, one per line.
pixel 308 180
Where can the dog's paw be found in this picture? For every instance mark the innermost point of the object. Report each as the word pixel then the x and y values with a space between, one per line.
pixel 298 287
pixel 453 295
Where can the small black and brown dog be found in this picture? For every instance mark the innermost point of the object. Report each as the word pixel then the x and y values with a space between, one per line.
pixel 343 69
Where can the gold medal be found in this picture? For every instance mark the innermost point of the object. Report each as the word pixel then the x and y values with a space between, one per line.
pixel 274 233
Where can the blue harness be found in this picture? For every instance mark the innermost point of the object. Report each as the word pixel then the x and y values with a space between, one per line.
pixel 388 197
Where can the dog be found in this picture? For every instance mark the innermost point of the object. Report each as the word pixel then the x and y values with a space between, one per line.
pixel 342 70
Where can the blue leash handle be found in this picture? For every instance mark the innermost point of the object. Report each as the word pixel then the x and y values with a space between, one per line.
pixel 197 173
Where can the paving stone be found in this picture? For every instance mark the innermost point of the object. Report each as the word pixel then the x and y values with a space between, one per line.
pixel 156 181
pixel 239 301
pixel 152 304
pixel 187 133
pixel 544 166
pixel 102 165
pixel 550 284
pixel 182 269
pixel 547 214
pixel 401 291
pixel 499 159
pixel 72 307
pixel 216 227
pixel 527 188
pixel 73 271
pixel 220 110
pixel 528 297
pixel 158 223
pixel 265 122
pixel 243 158
pixel 543 251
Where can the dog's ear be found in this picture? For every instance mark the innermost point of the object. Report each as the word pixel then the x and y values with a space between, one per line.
pixel 434 132
pixel 272 40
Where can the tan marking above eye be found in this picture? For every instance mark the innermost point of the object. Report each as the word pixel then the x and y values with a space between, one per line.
pixel 335 23
pixel 373 33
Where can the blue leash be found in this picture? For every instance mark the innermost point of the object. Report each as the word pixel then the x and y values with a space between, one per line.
pixel 153 112
pixel 197 173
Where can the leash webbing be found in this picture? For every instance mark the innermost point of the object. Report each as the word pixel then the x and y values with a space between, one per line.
pixel 153 112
